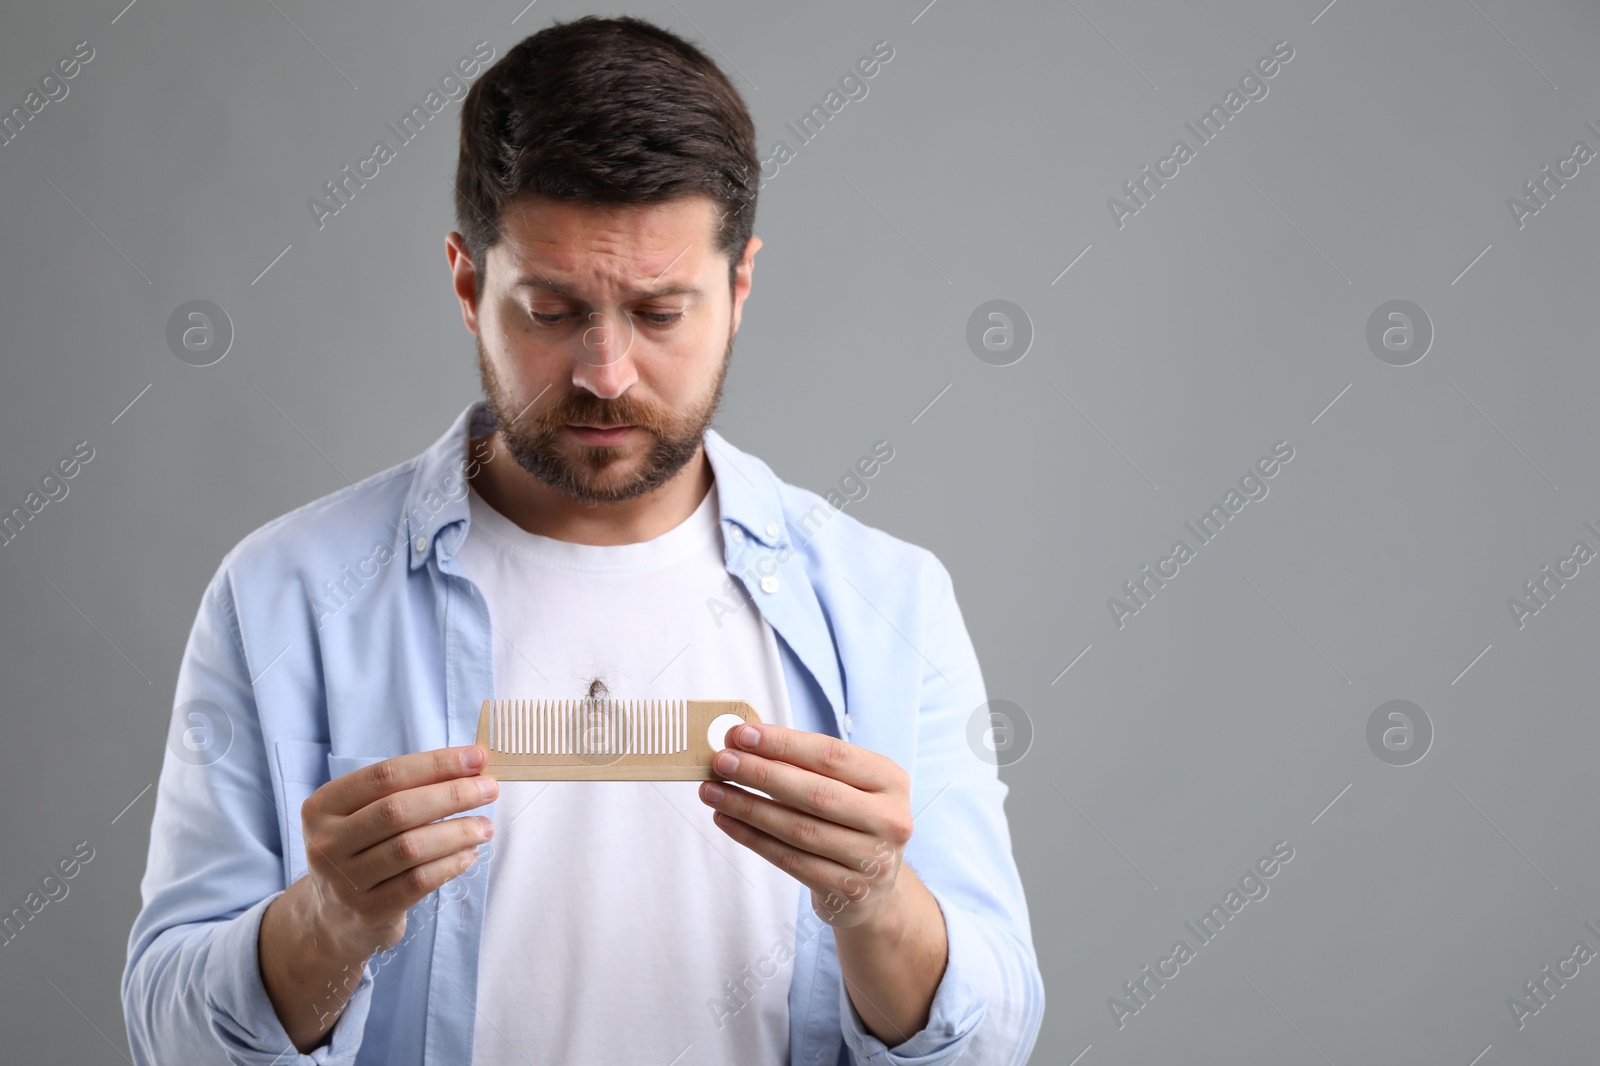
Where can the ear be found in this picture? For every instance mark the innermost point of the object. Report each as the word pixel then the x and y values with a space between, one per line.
pixel 463 278
pixel 742 278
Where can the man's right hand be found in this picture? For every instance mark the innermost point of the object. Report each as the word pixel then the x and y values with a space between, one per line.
pixel 375 846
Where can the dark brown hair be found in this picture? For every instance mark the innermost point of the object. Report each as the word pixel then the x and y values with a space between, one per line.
pixel 605 110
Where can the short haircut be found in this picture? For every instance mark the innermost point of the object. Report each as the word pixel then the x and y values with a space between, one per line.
pixel 605 111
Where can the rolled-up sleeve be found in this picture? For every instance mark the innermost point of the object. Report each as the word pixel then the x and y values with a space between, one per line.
pixel 191 988
pixel 989 1004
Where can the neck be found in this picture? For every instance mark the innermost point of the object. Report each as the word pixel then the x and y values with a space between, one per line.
pixel 542 510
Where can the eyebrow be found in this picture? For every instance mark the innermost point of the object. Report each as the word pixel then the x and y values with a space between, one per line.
pixel 559 289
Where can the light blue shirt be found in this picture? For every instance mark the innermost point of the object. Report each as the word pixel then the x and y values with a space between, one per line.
pixel 345 632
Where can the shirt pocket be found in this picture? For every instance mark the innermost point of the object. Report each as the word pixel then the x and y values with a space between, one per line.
pixel 302 769
pixel 305 766
pixel 339 765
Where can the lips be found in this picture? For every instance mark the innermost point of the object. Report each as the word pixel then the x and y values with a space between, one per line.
pixel 600 435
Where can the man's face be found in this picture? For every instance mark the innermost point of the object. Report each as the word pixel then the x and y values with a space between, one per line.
pixel 606 316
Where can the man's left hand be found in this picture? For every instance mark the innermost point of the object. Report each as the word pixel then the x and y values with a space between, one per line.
pixel 838 818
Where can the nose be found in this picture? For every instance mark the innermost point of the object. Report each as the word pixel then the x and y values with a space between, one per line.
pixel 601 360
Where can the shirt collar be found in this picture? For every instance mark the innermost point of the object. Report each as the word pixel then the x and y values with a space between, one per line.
pixel 747 490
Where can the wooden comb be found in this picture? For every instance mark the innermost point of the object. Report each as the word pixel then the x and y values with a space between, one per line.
pixel 602 739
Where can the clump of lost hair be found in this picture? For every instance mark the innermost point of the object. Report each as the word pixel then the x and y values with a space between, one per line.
pixel 605 111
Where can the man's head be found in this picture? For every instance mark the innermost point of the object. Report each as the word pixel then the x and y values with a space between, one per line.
pixel 605 194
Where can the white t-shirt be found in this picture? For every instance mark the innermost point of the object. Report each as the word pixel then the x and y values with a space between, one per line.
pixel 623 926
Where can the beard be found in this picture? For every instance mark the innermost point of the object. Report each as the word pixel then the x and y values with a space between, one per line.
pixel 600 473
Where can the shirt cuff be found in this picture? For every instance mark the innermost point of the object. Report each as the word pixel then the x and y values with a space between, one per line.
pixel 242 1016
pixel 957 1009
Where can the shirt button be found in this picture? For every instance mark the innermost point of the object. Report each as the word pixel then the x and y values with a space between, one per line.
pixel 769 584
pixel 773 529
pixel 422 544
pixel 735 532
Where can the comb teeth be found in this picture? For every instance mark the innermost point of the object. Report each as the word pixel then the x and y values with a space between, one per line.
pixel 588 727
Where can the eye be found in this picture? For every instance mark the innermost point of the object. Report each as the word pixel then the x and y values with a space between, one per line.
pixel 547 319
pixel 660 318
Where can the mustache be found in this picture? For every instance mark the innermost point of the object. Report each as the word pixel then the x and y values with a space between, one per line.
pixel 589 410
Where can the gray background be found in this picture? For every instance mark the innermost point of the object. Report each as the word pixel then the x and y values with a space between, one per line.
pixel 1227 315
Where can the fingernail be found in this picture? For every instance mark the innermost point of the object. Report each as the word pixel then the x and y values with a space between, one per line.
pixel 472 757
pixel 489 787
pixel 749 736
pixel 714 793
pixel 727 763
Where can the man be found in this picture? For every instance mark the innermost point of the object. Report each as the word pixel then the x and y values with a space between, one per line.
pixel 318 889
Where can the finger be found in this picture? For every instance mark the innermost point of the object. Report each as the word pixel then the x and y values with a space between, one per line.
pixel 813 871
pixel 402 891
pixel 395 813
pixel 829 840
pixel 355 790
pixel 854 765
pixel 820 795
pixel 414 847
